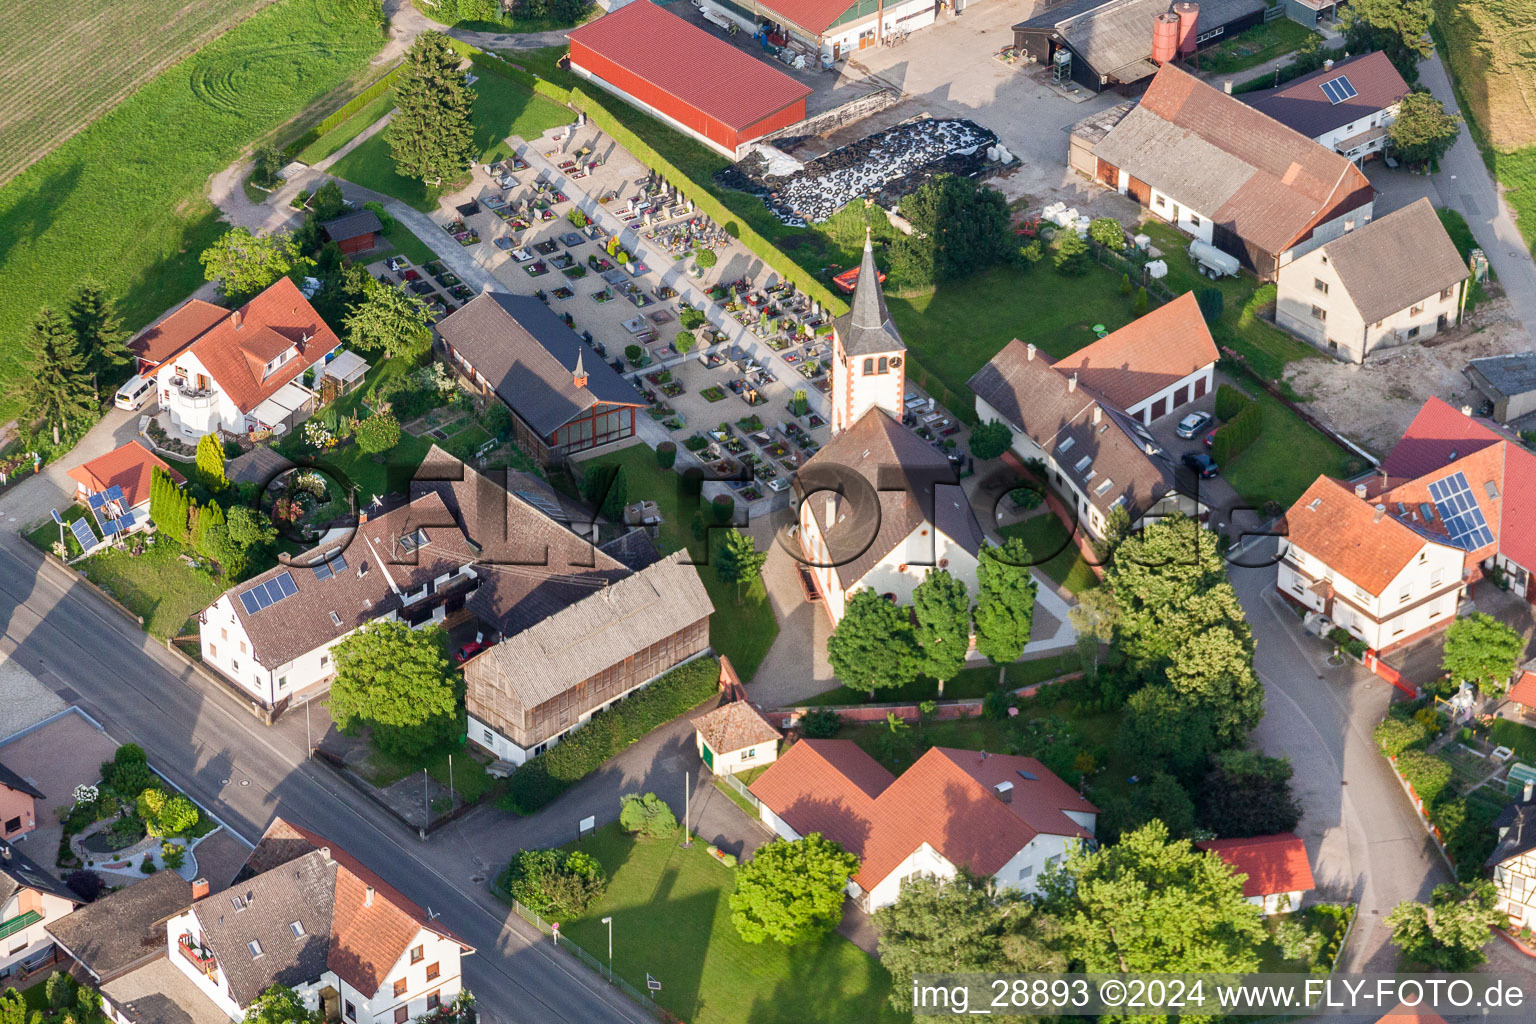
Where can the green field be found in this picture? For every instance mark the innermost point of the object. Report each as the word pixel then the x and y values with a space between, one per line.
pixel 672 921
pixel 124 200
pixel 1286 458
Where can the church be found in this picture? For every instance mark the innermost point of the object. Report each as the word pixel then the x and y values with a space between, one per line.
pixel 878 506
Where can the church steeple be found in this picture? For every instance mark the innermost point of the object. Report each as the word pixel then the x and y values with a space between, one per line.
pixel 867 370
pixel 579 374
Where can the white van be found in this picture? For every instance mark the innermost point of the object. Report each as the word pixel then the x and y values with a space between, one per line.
pixel 133 394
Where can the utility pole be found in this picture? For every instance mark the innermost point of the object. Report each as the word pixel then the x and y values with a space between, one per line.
pixel 450 782
pixel 687 809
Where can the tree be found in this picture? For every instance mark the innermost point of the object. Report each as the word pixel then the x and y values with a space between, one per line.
pixel 1213 670
pixel 266 162
pixel 957 925
pixel 85 883
pixel 327 203
pixel 1093 619
pixel 1107 232
pixel 165 814
pixel 378 433
pixel 646 815
pixel 1165 730
pixel 1072 257
pixel 691 319
pixel 280 1005
pixel 391 321
pixel 432 136
pixel 958 228
pixel 1399 27
pixel 1423 131
pixel 98 331
pixel 1005 600
pixel 249 527
pixel 210 462
pixel 684 342
pixel 1483 651
pixel 943 609
pixel 1141 303
pixel 169 506
pixel 57 389
pixel 990 439
pixel 395 680
pixel 1248 794
pixel 207 523
pixel 1148 903
pixel 244 263
pixel 1211 304
pixel 791 891
pixel 607 487
pixel 555 883
pixel 873 646
pixel 738 561
pixel 1447 934
pixel 705 258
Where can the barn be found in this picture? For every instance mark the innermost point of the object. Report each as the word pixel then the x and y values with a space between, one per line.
pixel 679 73
pixel 354 232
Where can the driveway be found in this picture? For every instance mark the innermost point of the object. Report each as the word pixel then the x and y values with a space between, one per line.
pixel 66 752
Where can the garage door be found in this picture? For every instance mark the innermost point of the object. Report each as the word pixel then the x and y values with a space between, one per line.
pixel 1200 387
pixel 1159 408
pixel 1181 396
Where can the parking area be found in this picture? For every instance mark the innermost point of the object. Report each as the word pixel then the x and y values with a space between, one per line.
pixel 1215 492
pixel 57 756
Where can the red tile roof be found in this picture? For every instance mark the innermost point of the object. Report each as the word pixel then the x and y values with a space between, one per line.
pixel 1146 355
pixel 1273 864
pixel 1483 469
pixel 1517 541
pixel 1343 532
pixel 1404 1014
pixel 678 57
pixel 1524 690
pixel 815 16
pixel 1438 435
pixel 946 800
pixel 129 467
pixel 178 330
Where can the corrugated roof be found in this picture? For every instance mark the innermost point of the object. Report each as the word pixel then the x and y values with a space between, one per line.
pixel 1146 355
pixel 130 467
pixel 723 81
pixel 1396 261
pixel 1301 104
pixel 1504 376
pixel 1115 38
pixel 1273 864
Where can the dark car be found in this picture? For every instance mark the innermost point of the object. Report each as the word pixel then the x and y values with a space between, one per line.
pixel 1201 463
pixel 1192 424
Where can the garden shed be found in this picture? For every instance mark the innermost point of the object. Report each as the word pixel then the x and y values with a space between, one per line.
pixel 346 369
pixel 355 231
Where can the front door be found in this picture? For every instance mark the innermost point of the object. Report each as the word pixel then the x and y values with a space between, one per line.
pixel 837 50
pixel 709 756
pixel 866 39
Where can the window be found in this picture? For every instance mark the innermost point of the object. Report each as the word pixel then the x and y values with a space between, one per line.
pixel 434 1000
pixel 1319 313
pixel 1026 871
pixel 1161 202
pixel 747 755
pixel 417 954
pixel 1403 595
pixel 282 682
pixel 297 927
pixel 351 1011
pixel 242 646
pixel 402 1014
pixel 1437 577
pixel 1448 293
pixel 399 988
pixel 869 367
pixel 490 737
pixel 1053 860
pixel 213 650
pixel 1194 221
pixel 432 972
pixel 255 947
pixel 1413 332
pixel 223 634
pixel 234 666
pixel 13 824
pixel 1320 285
pixel 325 659
pixel 885 365
pixel 1416 310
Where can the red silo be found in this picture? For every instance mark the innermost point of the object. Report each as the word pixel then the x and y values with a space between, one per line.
pixel 1189 14
pixel 1165 37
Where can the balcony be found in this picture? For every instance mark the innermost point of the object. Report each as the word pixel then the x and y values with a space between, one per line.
pixel 199 957
pixel 192 397
pixel 19 923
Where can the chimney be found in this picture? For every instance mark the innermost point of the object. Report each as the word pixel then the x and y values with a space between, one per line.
pixel 1360 491
pixel 235 319
pixel 362 516
pixel 368 896
pixel 1098 415
pixel 579 375
pixel 1071 384
pixel 1466 410
pixel 1227 87
pixel 1381 510
pixel 1030 348
pixel 200 889
pixel 1004 791
pixel 1328 64
pixel 325 854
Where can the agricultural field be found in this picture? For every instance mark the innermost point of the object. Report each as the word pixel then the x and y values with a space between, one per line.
pixel 124 200
pixel 1488 48
pixel 46 93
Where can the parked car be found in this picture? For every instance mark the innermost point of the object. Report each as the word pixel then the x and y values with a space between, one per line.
pixel 1201 463
pixel 1210 439
pixel 470 649
pixel 1192 424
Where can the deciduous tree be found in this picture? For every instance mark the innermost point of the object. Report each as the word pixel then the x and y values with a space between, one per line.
pixel 280 1005
pixel 646 815
pixel 1483 651
pixel 432 135
pixel 378 433
pixel 873 646
pixel 1448 933
pixel 57 390
pixel 1162 729
pixel 738 561
pixel 98 332
pixel 943 609
pixel 990 439
pixel 791 891
pixel 396 680
pixel 1422 131
pixel 1398 27
pixel 1005 600
pixel 244 263
pixel 165 814
pixel 390 321
pixel 1248 794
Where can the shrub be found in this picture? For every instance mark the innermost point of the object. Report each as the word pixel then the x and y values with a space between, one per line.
pixel 1107 232
pixel 1230 401
pixel 148 864
pixel 1142 304
pixel 666 454
pixel 1072 256
pixel 722 508
pixel 646 815
pixel 127 774
pixel 545 777
pixel 85 883
pixel 995 704
pixel 166 814
pixel 1395 735
pixel 1211 303
pixel 690 318
pixel 1466 828
pixel 1298 942
pixel 378 433
pixel 1427 774
pixel 1237 434
pixel 633 353
pixel 820 724
pixel 173 855
pixel 990 439
pixel 1029 254
pixel 1125 285
pixel 555 883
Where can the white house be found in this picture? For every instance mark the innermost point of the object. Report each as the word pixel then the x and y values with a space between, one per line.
pixel 1276 874
pixel 1514 860
pixel 1347 106
pixel 30 899
pixel 1393 281
pixel 832 29
pixel 997 815
pixel 309 915
pixel 735 737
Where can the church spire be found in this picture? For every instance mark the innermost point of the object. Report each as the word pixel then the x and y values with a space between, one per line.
pixel 579 375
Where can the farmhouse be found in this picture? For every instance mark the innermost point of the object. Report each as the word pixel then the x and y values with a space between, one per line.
pixel 354 232
pixel 1223 172
pixel 1390 560
pixel 1118 44
pixel 1508 382
pixel 1514 860
pixel 1396 280
pixel 996 815
pixel 236 370
pixel 1085 416
pixel 515 347
pixel 1275 869
pixel 29 898
pixel 18 807
pixel 677 72
pixel 1347 106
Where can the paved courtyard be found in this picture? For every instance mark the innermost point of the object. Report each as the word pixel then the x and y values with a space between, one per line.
pixel 66 752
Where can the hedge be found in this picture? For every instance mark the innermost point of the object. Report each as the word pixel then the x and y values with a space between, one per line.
pixel 1230 401
pixel 346 110
pixel 582 752
pixel 1241 431
pixel 1427 774
pixel 1395 735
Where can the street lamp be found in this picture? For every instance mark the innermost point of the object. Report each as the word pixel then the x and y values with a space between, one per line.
pixel 609 922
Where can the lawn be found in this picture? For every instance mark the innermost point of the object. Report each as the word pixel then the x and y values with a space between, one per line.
pixel 968 685
pixel 742 632
pixel 404 241
pixel 1286 458
pixel 1046 537
pixel 746 778
pixel 672 921
pixel 507 22
pixel 502 108
pixel 348 130
pixel 124 200
pixel 1517 737
pixel 469 779
pixel 1261 44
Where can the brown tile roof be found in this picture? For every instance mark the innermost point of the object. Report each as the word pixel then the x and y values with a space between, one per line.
pixel 1301 104
pixel 1343 532
pixel 129 467
pixel 723 81
pixel 1146 355
pixel 909 483
pixel 735 726
pixel 946 799
pixel 1396 261
pixel 159 993
pixel 184 325
pixel 1267 183
pixel 1273 864
pixel 123 929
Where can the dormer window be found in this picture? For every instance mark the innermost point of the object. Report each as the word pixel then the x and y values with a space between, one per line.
pixel 415 539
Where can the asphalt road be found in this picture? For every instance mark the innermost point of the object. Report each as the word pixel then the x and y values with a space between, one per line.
pixel 247 773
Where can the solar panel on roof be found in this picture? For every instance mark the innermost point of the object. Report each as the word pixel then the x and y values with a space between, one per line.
pixel 1339 89
pixel 1463 518
pixel 286 586
pixel 323 571
pixel 252 606
pixel 542 503
pixel 263 595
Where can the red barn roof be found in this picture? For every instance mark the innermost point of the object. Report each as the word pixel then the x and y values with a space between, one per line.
pixel 683 60
pixel 1273 864
pixel 129 467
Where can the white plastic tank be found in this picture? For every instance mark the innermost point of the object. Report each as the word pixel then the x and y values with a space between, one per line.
pixel 1213 262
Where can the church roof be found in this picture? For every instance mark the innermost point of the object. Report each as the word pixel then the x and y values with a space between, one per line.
pixel 866 329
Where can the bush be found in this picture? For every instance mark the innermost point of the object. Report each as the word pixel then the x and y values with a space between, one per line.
pixel 545 777
pixel 1238 433
pixel 722 508
pixel 1427 774
pixel 166 814
pixel 690 318
pixel 820 724
pixel 1142 304
pixel 85 883
pixel 632 353
pixel 174 855
pixel 1395 735
pixel 1107 232
pixel 1211 303
pixel 1466 828
pixel 555 883
pixel 990 439
pixel 1072 257
pixel 1126 288
pixel 646 815
pixel 378 433
pixel 1030 253
pixel 1230 401
pixel 995 704
pixel 148 864
pixel 666 454
pixel 127 774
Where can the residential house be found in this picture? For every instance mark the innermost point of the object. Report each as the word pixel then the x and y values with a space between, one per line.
pixel 1222 171
pixel 735 737
pixel 236 371
pixel 18 805
pixel 129 469
pixel 30 898
pixel 1347 106
pixel 1085 416
pixel 1275 870
pixel 997 815
pixel 1508 382
pixel 1514 860
pixel 1523 693
pixel 1390 560
pixel 1108 44
pixel 307 914
pixel 878 506
pixel 354 232
pixel 1393 281
pixel 563 399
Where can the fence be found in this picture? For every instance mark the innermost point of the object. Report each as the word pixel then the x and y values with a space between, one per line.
pixel 741 789
pixel 645 1000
